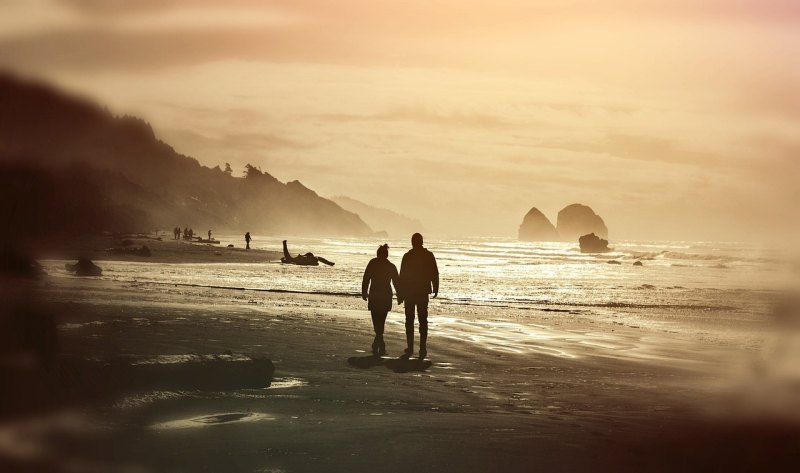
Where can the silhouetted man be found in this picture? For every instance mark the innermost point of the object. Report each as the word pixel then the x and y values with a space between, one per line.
pixel 419 277
pixel 247 240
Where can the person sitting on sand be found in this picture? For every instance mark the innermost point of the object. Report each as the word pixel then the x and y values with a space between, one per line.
pixel 419 277
pixel 307 259
pixel 378 278
pixel 247 240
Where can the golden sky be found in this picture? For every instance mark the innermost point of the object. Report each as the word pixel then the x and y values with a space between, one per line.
pixel 673 119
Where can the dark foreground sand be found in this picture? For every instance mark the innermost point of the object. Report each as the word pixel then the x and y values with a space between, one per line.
pixel 533 392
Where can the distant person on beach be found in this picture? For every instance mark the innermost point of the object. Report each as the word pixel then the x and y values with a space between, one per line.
pixel 209 234
pixel 308 259
pixel 185 233
pixel 376 287
pixel 247 240
pixel 191 233
pixel 419 277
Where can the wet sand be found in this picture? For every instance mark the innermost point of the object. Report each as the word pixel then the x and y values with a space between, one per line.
pixel 526 391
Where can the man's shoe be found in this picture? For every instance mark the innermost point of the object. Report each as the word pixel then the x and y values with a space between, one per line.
pixel 375 348
pixel 423 352
pixel 381 349
pixel 407 353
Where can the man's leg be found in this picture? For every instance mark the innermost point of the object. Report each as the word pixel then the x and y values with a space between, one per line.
pixel 422 312
pixel 410 326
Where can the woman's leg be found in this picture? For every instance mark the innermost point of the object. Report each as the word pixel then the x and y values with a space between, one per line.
pixel 379 322
pixel 376 326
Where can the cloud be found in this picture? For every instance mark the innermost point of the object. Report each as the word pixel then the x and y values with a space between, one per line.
pixel 423 115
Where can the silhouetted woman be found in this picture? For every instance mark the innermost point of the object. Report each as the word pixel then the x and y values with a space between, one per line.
pixel 378 278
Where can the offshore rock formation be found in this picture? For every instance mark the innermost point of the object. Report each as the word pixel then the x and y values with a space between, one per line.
pixel 576 220
pixel 592 243
pixel 536 227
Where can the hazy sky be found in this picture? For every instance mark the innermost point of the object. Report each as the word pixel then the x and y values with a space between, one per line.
pixel 671 118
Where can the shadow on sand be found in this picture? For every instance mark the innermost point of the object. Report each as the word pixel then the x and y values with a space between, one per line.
pixel 398 365
pixel 365 362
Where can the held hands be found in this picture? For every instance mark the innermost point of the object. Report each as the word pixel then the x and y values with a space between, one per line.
pixel 364 296
pixel 435 294
pixel 399 300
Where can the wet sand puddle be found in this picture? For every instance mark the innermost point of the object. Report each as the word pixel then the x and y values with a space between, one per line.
pixel 287 382
pixel 505 336
pixel 153 397
pixel 212 419
pixel 228 417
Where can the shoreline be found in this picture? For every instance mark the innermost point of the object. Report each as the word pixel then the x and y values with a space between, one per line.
pixel 543 388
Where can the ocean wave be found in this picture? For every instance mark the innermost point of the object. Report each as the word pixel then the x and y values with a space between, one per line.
pixel 537 304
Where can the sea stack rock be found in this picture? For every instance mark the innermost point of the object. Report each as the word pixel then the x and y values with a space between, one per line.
pixel 576 220
pixel 536 227
pixel 592 243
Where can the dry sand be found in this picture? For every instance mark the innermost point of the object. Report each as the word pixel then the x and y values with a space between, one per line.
pixel 528 391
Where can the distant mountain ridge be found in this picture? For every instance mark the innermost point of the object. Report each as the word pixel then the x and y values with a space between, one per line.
pixel 394 224
pixel 69 165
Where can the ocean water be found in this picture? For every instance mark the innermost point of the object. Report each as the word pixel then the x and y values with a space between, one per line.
pixel 706 278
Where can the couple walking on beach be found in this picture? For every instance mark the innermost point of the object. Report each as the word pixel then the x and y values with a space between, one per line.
pixel 417 280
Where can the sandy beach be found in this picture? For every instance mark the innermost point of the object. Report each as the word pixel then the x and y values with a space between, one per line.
pixel 163 250
pixel 550 389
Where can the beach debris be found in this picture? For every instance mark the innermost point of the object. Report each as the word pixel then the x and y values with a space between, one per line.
pixel 230 245
pixel 613 261
pixel 84 267
pixel 638 263
pixel 592 243
pixel 308 259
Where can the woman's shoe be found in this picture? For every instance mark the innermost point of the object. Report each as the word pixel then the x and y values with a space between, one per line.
pixel 381 349
pixel 375 348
